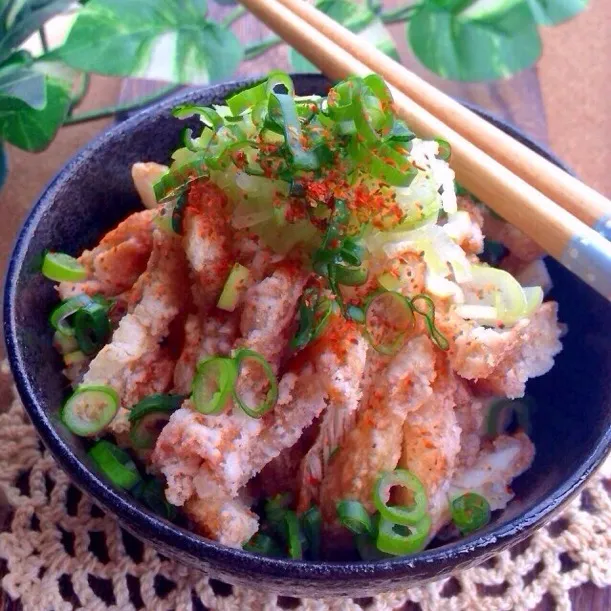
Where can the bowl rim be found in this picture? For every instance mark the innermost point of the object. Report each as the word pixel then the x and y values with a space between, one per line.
pixel 237 562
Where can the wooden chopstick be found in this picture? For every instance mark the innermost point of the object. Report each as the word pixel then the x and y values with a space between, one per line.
pixel 582 201
pixel 566 238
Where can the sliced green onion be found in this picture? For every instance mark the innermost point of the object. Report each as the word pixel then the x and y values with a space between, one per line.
pixel 470 512
pixel 263 544
pixel 213 384
pixel 388 321
pixel 178 213
pixel 90 409
pixel 116 464
pixel 271 396
pixel 393 538
pixel 353 516
pixel 149 416
pixel 60 315
pixel 322 314
pixel 61 267
pixel 429 318
pixel 311 522
pixel 445 150
pixel 235 283
pixel 208 116
pixel 244 100
pixel 150 492
pixel 278 77
pixel 91 327
pixel 400 514
pixel 293 534
pixel 284 105
pixel 64 344
pixel 175 181
pixel 351 276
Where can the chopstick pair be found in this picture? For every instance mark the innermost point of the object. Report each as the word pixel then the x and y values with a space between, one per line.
pixel 514 181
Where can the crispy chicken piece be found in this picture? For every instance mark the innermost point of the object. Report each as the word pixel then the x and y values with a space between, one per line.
pixel 470 414
pixel 507 358
pixel 197 452
pixel 344 378
pixel 145 175
pixel 532 355
pixel 229 521
pixel 115 264
pixel 374 445
pixel 497 465
pixel 281 474
pixel 207 242
pixel 431 441
pixel 125 363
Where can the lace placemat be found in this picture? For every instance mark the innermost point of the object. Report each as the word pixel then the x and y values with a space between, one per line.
pixel 62 552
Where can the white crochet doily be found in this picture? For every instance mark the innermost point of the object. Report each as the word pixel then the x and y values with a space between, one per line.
pixel 62 552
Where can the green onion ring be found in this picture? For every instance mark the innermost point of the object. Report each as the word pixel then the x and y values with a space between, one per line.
pixel 293 535
pixel 116 464
pixel 148 417
pixel 213 383
pixel 351 276
pixel 470 512
pixel 400 514
pixel 392 347
pixel 59 316
pixel 91 327
pixel 178 213
pixel 244 100
pixel 61 267
pixel 90 409
pixel 390 541
pixel 445 150
pixel 311 521
pixel 429 319
pixel 239 357
pixel 150 491
pixel 263 544
pixel 353 516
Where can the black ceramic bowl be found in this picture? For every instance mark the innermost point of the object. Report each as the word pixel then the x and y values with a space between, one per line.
pixel 94 191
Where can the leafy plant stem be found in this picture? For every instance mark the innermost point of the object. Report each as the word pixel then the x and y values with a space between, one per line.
pixel 109 111
pixel 399 14
pixel 234 15
pixel 43 39
pixel 258 48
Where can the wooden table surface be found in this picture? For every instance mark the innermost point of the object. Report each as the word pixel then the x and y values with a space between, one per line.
pixel 535 100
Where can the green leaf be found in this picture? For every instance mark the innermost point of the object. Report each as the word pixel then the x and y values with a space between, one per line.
pixel 20 19
pixel 31 129
pixel 550 12
pixel 22 84
pixel 160 39
pixel 487 40
pixel 358 19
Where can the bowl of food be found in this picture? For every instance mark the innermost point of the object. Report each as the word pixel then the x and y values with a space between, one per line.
pixel 264 329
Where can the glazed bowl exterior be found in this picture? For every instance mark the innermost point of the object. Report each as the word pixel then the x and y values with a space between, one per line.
pixel 570 427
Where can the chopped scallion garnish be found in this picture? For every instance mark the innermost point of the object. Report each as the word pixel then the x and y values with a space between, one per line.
pixel 429 318
pixel 213 384
pixel 354 516
pixel 470 512
pixel 399 539
pixel 411 514
pixel 149 416
pixel 61 267
pixel 388 321
pixel 116 464
pixel 90 409
pixel 241 357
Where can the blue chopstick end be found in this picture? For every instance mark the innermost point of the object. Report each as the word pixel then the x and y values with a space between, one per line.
pixel 590 259
pixel 604 226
